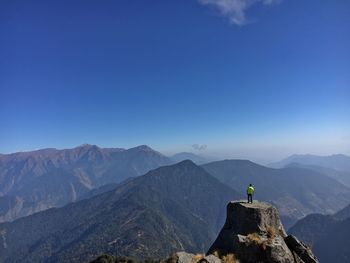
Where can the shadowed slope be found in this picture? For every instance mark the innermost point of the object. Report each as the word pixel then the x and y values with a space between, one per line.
pixel 171 208
pixel 328 235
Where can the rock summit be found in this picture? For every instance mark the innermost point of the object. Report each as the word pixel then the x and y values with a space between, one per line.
pixel 254 233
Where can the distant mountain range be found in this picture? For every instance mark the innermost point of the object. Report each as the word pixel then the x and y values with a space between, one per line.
pixel 341 176
pixel 339 162
pixel 295 191
pixel 136 202
pixel 336 166
pixel 172 208
pixel 35 181
pixel 327 234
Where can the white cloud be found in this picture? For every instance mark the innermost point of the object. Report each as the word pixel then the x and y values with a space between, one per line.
pixel 199 147
pixel 235 10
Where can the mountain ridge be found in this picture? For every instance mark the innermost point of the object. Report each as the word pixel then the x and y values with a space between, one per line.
pixel 151 215
pixel 47 178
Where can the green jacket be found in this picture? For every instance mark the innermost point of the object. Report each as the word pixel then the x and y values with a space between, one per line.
pixel 250 190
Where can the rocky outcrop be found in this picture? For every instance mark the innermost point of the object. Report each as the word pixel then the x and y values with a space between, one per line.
pixel 254 233
pixel 300 249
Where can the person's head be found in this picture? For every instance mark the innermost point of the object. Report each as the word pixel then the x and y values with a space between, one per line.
pixel 250 184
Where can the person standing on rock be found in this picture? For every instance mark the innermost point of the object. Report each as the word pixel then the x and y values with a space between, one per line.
pixel 250 192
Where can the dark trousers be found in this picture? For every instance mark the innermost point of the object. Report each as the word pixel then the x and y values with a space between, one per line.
pixel 250 198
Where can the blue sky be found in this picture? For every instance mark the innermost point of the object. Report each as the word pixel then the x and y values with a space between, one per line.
pixel 251 79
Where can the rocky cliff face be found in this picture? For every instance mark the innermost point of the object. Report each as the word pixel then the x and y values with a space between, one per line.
pixel 254 233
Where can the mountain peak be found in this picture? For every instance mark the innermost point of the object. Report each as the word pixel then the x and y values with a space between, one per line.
pixel 186 162
pixel 198 159
pixel 143 147
pixel 183 167
pixel 254 233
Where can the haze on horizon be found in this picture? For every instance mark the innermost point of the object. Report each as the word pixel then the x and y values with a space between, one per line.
pixel 259 81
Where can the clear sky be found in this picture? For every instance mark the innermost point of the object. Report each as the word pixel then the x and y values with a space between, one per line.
pixel 245 78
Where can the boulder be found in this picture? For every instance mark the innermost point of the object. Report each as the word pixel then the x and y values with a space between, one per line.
pixel 184 257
